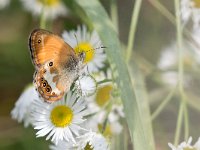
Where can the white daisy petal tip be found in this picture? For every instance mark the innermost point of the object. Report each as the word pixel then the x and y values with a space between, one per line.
pixel 186 145
pixel 23 106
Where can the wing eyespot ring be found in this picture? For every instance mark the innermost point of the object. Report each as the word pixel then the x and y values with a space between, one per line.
pixel 39 41
pixel 51 64
pixel 48 89
pixel 44 84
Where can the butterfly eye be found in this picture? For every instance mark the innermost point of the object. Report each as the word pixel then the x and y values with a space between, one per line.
pixel 82 56
pixel 51 64
pixel 39 41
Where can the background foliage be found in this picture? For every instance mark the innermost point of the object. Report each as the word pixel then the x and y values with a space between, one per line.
pixel 154 32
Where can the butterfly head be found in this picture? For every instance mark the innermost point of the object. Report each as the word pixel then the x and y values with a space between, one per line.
pixel 82 56
pixel 85 52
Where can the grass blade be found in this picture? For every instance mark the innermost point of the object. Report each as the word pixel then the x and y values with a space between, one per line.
pixel 105 28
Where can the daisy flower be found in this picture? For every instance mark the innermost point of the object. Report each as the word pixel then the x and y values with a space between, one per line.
pixel 104 108
pixel 196 37
pixel 50 8
pixel 4 3
pixel 23 106
pixel 93 141
pixel 85 85
pixel 168 57
pixel 191 9
pixel 60 120
pixel 89 43
pixel 186 145
pixel 168 63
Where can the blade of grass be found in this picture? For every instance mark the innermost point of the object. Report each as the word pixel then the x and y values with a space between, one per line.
pixel 132 31
pixel 105 28
pixel 143 102
pixel 114 14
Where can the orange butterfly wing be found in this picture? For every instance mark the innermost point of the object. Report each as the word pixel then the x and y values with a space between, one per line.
pixel 45 46
pixel 56 64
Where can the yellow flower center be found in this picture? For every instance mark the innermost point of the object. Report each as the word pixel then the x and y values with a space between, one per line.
pixel 188 148
pixel 49 2
pixel 88 147
pixel 103 95
pixel 196 3
pixel 87 49
pixel 61 116
pixel 107 131
pixel 187 61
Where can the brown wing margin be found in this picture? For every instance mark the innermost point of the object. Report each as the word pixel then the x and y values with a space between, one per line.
pixel 31 43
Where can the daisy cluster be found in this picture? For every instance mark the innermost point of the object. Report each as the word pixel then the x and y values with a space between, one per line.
pixel 168 60
pixel 89 115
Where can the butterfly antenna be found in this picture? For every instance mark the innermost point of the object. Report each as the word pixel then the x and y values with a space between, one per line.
pixel 77 43
pixel 93 49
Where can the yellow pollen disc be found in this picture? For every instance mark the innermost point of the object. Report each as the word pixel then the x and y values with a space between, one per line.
pixel 107 131
pixel 196 3
pixel 103 95
pixel 49 2
pixel 188 148
pixel 88 147
pixel 187 61
pixel 61 116
pixel 87 48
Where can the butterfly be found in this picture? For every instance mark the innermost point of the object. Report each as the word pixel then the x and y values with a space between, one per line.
pixel 56 63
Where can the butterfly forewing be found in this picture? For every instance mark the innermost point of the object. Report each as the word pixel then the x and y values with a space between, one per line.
pixel 45 46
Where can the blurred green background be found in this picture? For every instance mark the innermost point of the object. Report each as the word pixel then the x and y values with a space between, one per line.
pixel 154 32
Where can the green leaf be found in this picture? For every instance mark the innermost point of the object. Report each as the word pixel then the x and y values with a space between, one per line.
pixel 105 29
pixel 143 102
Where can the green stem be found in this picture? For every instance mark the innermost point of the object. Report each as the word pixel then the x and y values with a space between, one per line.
pixel 179 44
pixel 186 121
pixel 180 72
pixel 42 19
pixel 163 10
pixel 132 31
pixel 104 81
pixel 163 104
pixel 179 122
pixel 114 14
